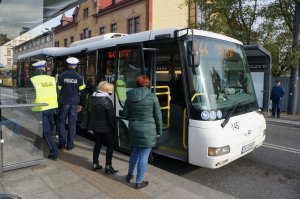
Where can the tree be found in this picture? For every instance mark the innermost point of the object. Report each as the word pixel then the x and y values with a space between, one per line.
pixel 276 32
pixel 3 39
pixel 269 25
pixel 235 18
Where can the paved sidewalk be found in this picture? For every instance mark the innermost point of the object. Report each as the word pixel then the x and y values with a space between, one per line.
pixel 285 119
pixel 71 177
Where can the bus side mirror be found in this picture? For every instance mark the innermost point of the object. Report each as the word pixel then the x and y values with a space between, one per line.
pixel 193 57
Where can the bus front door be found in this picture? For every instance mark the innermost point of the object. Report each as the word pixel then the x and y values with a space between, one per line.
pixel 167 83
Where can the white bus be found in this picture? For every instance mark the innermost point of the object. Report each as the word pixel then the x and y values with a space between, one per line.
pixel 202 80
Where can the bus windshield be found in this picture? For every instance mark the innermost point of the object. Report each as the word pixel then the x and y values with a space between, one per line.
pixel 221 80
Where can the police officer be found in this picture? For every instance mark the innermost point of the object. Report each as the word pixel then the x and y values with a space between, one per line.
pixel 71 98
pixel 45 92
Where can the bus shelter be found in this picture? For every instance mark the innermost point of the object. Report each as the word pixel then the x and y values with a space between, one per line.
pixel 260 63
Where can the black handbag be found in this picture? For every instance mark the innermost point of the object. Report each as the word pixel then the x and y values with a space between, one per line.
pixel 85 116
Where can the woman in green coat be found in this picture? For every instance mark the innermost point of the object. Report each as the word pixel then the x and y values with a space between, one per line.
pixel 145 124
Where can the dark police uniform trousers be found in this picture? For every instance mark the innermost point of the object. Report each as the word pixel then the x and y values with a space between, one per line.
pixel 71 86
pixel 47 118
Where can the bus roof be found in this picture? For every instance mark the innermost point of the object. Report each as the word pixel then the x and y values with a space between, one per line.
pixel 53 52
pixel 94 44
pixel 97 39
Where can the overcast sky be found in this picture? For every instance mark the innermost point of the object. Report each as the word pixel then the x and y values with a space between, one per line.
pixel 15 14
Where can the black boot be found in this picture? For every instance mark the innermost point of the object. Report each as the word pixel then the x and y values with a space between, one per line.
pixel 96 166
pixel 141 185
pixel 110 170
pixel 129 177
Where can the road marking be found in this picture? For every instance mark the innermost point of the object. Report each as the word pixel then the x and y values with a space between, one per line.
pixel 282 148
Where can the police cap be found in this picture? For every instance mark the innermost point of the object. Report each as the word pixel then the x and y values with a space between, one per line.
pixel 72 61
pixel 39 64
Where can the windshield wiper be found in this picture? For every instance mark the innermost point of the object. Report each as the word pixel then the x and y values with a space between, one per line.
pixel 223 124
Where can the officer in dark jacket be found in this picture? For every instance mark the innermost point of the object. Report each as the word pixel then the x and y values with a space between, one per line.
pixel 103 123
pixel 277 93
pixel 71 100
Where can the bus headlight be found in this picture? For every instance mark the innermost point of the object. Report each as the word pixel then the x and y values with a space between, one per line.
pixel 212 151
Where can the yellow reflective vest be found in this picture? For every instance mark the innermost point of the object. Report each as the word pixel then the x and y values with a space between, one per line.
pixel 45 92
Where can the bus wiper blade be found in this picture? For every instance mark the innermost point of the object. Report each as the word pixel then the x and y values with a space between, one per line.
pixel 229 115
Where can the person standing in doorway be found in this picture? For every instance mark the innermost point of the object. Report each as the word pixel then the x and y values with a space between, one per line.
pixel 145 123
pixel 45 92
pixel 277 93
pixel 71 99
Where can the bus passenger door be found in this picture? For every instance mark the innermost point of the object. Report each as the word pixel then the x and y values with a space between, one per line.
pixel 167 84
pixel 130 64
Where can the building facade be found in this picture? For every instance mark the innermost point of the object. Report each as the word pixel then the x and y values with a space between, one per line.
pixel 96 17
pixel 44 40
pixel 7 50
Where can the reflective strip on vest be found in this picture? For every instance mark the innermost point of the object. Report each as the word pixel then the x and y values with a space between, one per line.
pixel 45 92
pixel 82 87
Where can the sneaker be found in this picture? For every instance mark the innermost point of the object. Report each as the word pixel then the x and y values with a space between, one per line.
pixel 129 177
pixel 96 167
pixel 110 170
pixel 141 185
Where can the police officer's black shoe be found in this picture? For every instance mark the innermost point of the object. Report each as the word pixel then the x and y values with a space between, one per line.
pixel 110 170
pixel 96 167
pixel 129 177
pixel 141 185
pixel 70 148
pixel 50 157
pixel 59 146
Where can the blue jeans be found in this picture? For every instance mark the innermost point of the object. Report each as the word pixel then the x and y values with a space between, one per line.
pixel 47 117
pixel 139 156
pixel 67 111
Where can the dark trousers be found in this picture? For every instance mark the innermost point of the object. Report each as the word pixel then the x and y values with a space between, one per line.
pixel 106 139
pixel 67 111
pixel 47 118
pixel 276 106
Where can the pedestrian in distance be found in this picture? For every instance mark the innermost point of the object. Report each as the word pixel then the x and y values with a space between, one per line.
pixel 71 99
pixel 145 123
pixel 103 123
pixel 46 92
pixel 277 93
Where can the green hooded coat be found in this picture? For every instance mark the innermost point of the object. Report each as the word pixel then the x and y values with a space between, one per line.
pixel 145 121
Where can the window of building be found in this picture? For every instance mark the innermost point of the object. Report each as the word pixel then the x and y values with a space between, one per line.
pixel 137 24
pixel 133 25
pixel 8 52
pixel 56 44
pixel 81 36
pixel 86 33
pixel 9 62
pixel 102 30
pixel 113 27
pixel 130 26
pixel 71 39
pixel 65 42
pixel 85 13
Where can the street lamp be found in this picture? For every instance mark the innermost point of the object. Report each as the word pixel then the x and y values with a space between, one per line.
pixel 52 35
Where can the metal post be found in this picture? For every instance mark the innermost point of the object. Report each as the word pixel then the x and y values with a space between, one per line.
pixel 293 92
pixel 1 139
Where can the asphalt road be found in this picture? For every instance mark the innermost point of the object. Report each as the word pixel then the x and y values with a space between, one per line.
pixel 271 171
